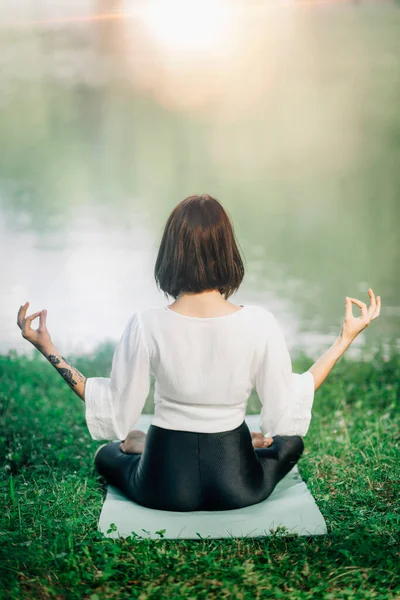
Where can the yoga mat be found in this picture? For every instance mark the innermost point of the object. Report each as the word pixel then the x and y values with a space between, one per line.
pixel 289 510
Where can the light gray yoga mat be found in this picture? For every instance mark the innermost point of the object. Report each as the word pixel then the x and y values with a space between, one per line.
pixel 289 510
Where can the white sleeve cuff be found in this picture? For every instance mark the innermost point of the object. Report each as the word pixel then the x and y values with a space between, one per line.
pixel 297 421
pixel 99 413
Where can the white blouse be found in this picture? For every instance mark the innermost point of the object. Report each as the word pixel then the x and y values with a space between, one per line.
pixel 204 370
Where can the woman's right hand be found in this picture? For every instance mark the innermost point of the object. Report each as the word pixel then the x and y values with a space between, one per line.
pixel 352 325
pixel 40 337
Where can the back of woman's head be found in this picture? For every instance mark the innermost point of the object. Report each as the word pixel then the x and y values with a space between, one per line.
pixel 198 251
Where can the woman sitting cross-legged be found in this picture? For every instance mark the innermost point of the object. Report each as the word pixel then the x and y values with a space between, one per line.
pixel 206 354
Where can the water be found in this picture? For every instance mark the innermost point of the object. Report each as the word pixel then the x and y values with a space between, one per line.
pixel 288 114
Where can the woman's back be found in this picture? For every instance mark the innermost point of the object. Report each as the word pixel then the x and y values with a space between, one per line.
pixel 204 368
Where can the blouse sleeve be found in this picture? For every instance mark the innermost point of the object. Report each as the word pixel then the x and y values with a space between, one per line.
pixel 114 404
pixel 286 397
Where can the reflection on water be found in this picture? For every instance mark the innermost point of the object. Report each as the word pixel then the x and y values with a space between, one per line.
pixel 291 121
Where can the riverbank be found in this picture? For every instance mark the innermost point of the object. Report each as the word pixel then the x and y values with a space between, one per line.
pixel 50 547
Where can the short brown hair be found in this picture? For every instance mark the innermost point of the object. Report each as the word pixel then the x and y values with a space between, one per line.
pixel 198 251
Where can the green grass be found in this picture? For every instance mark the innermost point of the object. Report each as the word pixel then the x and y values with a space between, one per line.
pixel 51 499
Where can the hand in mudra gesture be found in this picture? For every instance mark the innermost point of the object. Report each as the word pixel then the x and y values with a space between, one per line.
pixel 38 337
pixel 352 325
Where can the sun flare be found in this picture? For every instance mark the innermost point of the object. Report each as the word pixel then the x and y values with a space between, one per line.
pixel 187 25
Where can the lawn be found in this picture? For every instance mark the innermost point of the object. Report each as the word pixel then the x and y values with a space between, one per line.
pixel 51 499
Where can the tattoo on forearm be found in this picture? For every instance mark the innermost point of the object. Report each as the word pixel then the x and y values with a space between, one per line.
pixel 76 372
pixel 65 360
pixel 65 373
pixel 54 359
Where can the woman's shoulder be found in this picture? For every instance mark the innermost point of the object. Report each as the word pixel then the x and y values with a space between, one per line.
pixel 140 316
pixel 149 315
pixel 260 311
pixel 146 313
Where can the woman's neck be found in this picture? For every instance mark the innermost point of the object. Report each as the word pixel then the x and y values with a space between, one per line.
pixel 210 303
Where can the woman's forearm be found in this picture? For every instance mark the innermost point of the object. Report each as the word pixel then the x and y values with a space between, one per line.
pixel 75 379
pixel 323 366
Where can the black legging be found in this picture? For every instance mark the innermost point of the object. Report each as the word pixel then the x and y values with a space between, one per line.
pixel 186 471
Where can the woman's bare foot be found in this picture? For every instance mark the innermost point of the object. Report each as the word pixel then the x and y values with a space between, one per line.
pixel 259 441
pixel 134 442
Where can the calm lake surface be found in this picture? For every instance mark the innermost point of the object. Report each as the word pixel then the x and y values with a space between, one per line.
pixel 289 114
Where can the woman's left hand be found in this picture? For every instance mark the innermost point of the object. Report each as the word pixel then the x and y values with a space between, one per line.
pixel 40 337
pixel 259 441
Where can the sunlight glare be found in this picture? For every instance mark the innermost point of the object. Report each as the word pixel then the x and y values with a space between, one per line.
pixel 187 25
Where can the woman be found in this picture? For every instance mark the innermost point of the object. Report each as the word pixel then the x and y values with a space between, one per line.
pixel 206 355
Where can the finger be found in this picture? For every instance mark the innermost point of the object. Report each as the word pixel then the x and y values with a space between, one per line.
pixel 358 302
pixel 349 309
pixel 27 323
pixel 25 307
pixel 372 307
pixel 378 308
pixel 42 321
pixel 32 317
pixel 19 317
pixel 363 307
pixel 21 313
